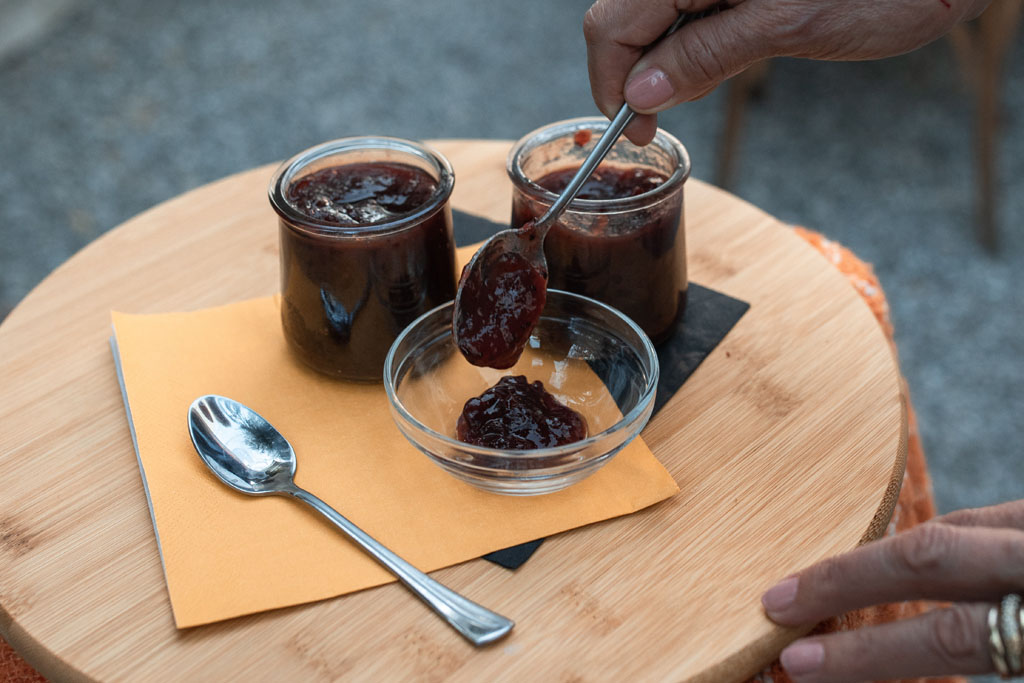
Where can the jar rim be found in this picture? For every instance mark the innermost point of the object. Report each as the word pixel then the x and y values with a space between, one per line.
pixel 287 171
pixel 596 125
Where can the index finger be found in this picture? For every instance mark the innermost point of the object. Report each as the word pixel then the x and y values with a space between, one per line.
pixel 617 31
pixel 932 561
pixel 1006 515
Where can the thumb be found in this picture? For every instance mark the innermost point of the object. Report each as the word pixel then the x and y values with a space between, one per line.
pixel 698 57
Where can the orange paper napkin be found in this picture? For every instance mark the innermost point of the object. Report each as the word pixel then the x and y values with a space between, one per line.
pixel 226 554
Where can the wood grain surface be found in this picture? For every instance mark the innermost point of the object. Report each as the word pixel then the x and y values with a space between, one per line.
pixel 788 444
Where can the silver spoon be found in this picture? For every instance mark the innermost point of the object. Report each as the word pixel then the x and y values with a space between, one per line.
pixel 496 327
pixel 249 455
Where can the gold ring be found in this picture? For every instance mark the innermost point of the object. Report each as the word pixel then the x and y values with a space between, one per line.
pixel 1011 634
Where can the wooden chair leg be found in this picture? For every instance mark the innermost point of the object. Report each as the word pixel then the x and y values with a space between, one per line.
pixel 982 56
pixel 739 90
pixel 962 39
pixel 985 131
pixel 998 29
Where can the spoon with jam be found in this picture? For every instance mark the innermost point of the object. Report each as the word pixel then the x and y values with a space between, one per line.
pixel 504 286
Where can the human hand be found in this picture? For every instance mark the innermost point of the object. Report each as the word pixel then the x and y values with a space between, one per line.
pixel 969 557
pixel 699 56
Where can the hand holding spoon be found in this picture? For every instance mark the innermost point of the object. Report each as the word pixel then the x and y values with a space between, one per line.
pixel 504 286
pixel 249 455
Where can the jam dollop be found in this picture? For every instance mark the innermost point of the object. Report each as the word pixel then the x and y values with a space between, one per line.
pixel 498 305
pixel 516 414
pixel 361 194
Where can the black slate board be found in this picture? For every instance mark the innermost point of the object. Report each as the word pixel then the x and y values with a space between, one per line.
pixel 708 317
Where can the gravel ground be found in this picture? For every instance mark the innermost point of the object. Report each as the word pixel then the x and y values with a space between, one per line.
pixel 121 105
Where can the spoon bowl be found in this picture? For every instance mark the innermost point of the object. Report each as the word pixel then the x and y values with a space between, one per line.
pixel 500 298
pixel 249 455
pixel 240 447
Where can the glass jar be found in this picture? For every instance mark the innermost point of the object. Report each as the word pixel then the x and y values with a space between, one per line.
pixel 358 264
pixel 627 251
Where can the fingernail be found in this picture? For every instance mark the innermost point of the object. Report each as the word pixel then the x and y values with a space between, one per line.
pixel 802 657
pixel 781 595
pixel 649 89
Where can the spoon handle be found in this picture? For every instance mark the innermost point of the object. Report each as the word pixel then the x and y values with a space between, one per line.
pixel 476 623
pixel 596 156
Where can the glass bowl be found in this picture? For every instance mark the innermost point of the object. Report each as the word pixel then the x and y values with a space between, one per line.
pixel 589 356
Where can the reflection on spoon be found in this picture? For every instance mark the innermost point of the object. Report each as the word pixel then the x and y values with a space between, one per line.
pixel 249 455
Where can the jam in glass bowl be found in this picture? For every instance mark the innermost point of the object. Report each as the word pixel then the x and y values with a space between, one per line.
pixel 590 358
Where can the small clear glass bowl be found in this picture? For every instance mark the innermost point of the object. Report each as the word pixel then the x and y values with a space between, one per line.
pixel 589 356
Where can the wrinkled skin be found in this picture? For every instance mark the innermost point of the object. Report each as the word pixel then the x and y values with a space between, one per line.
pixel 698 57
pixel 969 558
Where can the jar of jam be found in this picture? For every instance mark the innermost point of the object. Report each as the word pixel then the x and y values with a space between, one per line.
pixel 622 239
pixel 366 248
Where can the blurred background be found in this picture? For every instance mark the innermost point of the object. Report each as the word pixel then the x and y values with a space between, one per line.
pixel 107 108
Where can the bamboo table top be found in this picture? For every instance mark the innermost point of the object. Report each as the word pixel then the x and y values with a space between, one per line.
pixel 788 444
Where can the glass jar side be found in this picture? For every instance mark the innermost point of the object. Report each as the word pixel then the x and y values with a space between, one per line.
pixel 628 252
pixel 347 291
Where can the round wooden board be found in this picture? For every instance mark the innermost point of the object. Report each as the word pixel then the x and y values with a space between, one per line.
pixel 788 444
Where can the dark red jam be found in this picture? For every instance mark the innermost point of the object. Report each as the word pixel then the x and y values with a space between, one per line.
pixel 519 415
pixel 633 261
pixel 361 194
pixel 346 292
pixel 607 182
pixel 498 306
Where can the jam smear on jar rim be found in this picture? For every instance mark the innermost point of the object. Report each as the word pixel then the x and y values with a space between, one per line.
pixel 516 414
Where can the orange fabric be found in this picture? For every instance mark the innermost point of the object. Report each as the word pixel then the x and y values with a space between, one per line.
pixel 915 504
pixel 14 669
